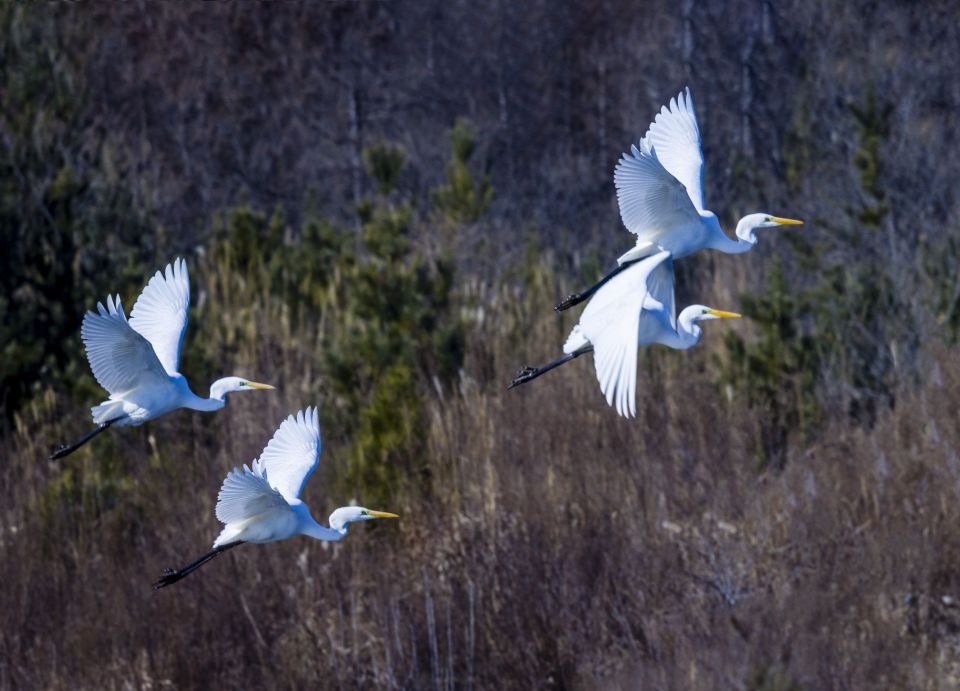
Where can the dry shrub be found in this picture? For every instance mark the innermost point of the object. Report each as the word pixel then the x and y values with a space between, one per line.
pixel 545 543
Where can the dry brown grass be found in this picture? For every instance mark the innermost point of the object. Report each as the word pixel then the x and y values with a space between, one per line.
pixel 545 543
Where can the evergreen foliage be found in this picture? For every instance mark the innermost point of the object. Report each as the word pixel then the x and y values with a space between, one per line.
pixel 69 226
pixel 463 199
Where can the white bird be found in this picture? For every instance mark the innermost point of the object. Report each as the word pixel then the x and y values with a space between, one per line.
pixel 634 308
pixel 262 504
pixel 137 361
pixel 660 192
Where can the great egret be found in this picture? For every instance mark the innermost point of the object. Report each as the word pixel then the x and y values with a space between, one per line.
pixel 634 308
pixel 136 361
pixel 263 504
pixel 660 192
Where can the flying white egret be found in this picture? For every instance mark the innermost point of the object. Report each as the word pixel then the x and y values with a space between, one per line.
pixel 660 192
pixel 263 504
pixel 136 361
pixel 634 308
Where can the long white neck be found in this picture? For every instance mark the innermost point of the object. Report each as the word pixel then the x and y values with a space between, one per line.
pixel 206 405
pixel 719 240
pixel 688 333
pixel 310 528
pixel 190 400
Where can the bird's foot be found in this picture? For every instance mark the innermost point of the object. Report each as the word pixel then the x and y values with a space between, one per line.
pixel 524 375
pixel 59 452
pixel 568 302
pixel 167 577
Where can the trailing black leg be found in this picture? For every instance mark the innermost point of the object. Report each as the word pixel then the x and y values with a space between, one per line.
pixel 171 576
pixel 577 298
pixel 530 373
pixel 63 450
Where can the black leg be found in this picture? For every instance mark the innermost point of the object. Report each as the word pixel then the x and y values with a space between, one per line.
pixel 63 450
pixel 171 576
pixel 577 298
pixel 531 373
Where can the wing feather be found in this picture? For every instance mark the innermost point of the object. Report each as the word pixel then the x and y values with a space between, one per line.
pixel 675 138
pixel 121 359
pixel 293 453
pixel 660 288
pixel 612 323
pixel 652 201
pixel 246 493
pixel 160 313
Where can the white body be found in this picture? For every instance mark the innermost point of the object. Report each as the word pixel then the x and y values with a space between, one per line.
pixel 635 308
pixel 137 360
pixel 660 192
pixel 262 503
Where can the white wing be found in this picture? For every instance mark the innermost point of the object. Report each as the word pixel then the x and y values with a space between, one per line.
pixel 292 454
pixel 121 359
pixel 247 493
pixel 612 322
pixel 675 138
pixel 652 201
pixel 660 288
pixel 160 313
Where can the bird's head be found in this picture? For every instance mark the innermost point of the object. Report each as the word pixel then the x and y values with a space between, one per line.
pixel 753 222
pixel 220 388
pixel 345 515
pixel 687 321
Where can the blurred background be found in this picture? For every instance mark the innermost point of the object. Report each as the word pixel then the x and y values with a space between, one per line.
pixel 379 203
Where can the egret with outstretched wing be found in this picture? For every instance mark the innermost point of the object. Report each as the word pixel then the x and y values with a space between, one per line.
pixel 137 360
pixel 262 504
pixel 633 309
pixel 660 193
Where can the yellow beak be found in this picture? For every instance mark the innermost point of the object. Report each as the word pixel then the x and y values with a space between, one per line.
pixel 382 514
pixel 258 385
pixel 724 315
pixel 786 221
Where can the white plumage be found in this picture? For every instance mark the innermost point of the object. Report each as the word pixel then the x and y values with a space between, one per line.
pixel 634 308
pixel 660 191
pixel 261 502
pixel 160 313
pixel 293 453
pixel 137 360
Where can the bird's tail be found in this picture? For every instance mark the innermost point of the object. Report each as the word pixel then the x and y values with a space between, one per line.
pixel 575 341
pixel 227 536
pixel 108 410
pixel 643 248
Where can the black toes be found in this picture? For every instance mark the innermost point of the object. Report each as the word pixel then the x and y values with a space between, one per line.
pixel 524 375
pixel 568 302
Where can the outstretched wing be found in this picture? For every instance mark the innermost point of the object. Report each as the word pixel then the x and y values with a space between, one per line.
pixel 160 313
pixel 611 321
pixel 121 359
pixel 246 493
pixel 652 201
pixel 660 288
pixel 675 138
pixel 292 454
